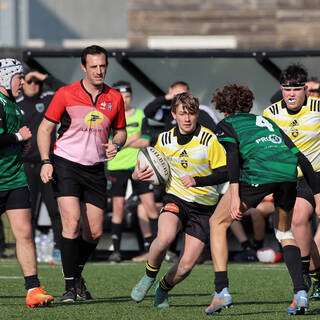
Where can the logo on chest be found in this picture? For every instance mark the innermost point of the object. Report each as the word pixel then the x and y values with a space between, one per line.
pixel 293 128
pixel 39 107
pixel 184 159
pixel 93 118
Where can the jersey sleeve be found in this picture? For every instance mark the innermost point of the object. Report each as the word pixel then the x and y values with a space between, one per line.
pixel 6 139
pixel 120 119
pixel 56 107
pixel 228 138
pixel 266 113
pixel 225 132
pixel 216 154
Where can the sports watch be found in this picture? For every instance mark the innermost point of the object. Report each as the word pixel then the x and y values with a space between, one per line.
pixel 119 146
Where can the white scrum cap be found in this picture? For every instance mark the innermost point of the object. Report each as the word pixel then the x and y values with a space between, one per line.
pixel 9 67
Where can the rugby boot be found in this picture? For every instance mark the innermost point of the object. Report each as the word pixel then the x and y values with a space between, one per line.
pixel 141 288
pixel 38 297
pixel 299 304
pixel 220 301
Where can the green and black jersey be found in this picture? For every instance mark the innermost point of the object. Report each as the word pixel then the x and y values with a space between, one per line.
pixel 264 155
pixel 12 175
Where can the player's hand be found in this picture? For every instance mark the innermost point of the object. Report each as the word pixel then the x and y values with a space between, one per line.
pixel 111 150
pixel 235 212
pixel 188 181
pixel 25 133
pixel 26 146
pixel 142 174
pixel 46 172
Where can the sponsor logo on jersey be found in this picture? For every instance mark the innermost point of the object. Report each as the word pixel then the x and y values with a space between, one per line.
pixel 103 105
pixel 293 130
pixel 184 162
pixel 294 123
pixel 39 107
pixel 93 118
pixel 271 138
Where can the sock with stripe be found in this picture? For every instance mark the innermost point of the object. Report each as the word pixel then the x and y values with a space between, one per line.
pixel 152 271
pixel 164 285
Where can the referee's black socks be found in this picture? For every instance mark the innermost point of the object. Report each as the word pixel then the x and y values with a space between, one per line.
pixel 85 250
pixel 69 256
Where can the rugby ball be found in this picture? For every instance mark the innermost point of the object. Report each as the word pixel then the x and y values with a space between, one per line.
pixel 268 255
pixel 149 156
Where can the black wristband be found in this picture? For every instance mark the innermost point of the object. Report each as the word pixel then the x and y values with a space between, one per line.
pixel 46 161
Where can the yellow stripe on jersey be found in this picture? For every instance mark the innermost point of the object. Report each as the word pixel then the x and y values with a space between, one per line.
pixel 302 128
pixel 196 158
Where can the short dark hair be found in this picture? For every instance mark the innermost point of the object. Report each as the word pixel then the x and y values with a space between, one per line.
pixel 233 98
pixel 295 74
pixel 180 83
pixel 92 50
pixel 189 102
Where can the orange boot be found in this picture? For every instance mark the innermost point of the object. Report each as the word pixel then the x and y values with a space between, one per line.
pixel 38 297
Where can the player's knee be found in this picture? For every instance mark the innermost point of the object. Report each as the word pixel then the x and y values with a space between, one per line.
pixel 162 243
pixel 22 231
pixel 299 220
pixel 92 236
pixel 283 235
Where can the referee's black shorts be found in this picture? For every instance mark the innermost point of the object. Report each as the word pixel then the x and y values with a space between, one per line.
pixel 88 183
pixel 119 182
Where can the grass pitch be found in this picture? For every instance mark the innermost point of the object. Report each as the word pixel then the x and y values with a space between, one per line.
pixel 259 292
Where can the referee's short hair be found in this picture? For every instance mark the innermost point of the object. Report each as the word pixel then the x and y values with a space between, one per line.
pixel 92 50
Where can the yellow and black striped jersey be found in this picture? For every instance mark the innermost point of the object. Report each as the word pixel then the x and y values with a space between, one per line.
pixel 196 158
pixel 303 127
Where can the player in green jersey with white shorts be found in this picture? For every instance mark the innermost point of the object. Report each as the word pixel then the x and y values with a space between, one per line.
pixel 261 160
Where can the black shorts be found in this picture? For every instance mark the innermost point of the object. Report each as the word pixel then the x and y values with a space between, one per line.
pixel 159 192
pixel 15 199
pixel 194 217
pixel 88 183
pixel 119 181
pixel 304 191
pixel 284 194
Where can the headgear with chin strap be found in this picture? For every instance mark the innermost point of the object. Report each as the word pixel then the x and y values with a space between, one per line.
pixel 9 67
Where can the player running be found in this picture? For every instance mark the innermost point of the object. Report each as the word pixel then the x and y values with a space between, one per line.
pixel 261 160
pixel 191 150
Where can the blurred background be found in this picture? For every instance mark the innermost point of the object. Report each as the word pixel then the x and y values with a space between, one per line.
pixel 153 43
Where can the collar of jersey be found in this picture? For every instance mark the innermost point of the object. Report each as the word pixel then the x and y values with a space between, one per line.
pixel 185 138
